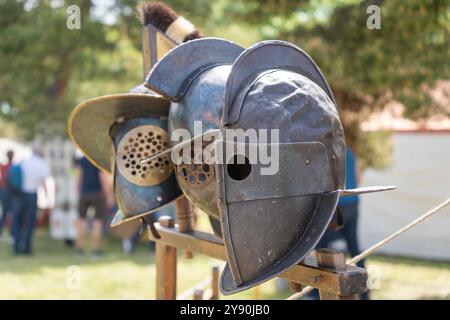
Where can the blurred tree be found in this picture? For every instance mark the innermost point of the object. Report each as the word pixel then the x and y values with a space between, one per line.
pixel 40 60
pixel 366 68
pixel 44 64
pixel 46 69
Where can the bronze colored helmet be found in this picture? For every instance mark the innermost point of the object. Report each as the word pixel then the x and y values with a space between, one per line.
pixel 115 132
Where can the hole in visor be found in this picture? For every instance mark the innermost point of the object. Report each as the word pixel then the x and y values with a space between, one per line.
pixel 239 167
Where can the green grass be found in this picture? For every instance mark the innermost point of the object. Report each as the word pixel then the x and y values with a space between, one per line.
pixel 411 279
pixel 120 276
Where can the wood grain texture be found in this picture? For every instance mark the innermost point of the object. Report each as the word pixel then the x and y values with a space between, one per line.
pixel 166 266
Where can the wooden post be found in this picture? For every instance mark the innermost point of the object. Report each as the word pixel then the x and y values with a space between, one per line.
pixel 166 265
pixel 215 283
pixel 295 287
pixel 185 218
pixel 198 294
pixel 257 293
pixel 146 50
pixel 335 260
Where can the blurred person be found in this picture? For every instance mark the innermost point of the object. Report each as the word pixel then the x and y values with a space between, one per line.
pixel 94 193
pixel 5 195
pixel 30 174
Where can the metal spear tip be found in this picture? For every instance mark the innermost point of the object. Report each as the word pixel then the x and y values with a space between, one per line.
pixel 372 189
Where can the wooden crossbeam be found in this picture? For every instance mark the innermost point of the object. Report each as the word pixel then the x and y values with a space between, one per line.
pixel 345 281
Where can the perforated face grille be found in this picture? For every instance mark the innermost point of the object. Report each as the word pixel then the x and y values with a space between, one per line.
pixel 141 143
pixel 196 175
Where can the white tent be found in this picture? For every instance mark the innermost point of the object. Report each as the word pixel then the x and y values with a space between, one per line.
pixel 421 171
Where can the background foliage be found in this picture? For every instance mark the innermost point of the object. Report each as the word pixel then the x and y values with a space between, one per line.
pixel 46 69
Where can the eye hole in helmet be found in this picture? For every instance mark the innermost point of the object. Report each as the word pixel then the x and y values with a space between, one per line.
pixel 239 167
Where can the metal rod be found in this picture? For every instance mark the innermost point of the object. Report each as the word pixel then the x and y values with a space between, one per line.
pixel 349 192
pixel 181 144
pixel 379 244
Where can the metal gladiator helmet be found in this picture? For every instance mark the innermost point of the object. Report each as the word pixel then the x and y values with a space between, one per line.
pixel 269 221
pixel 115 132
pixel 272 222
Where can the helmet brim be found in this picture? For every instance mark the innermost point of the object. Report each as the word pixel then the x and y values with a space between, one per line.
pixel 90 122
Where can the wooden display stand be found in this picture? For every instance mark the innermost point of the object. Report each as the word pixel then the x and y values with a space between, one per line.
pixel 327 271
